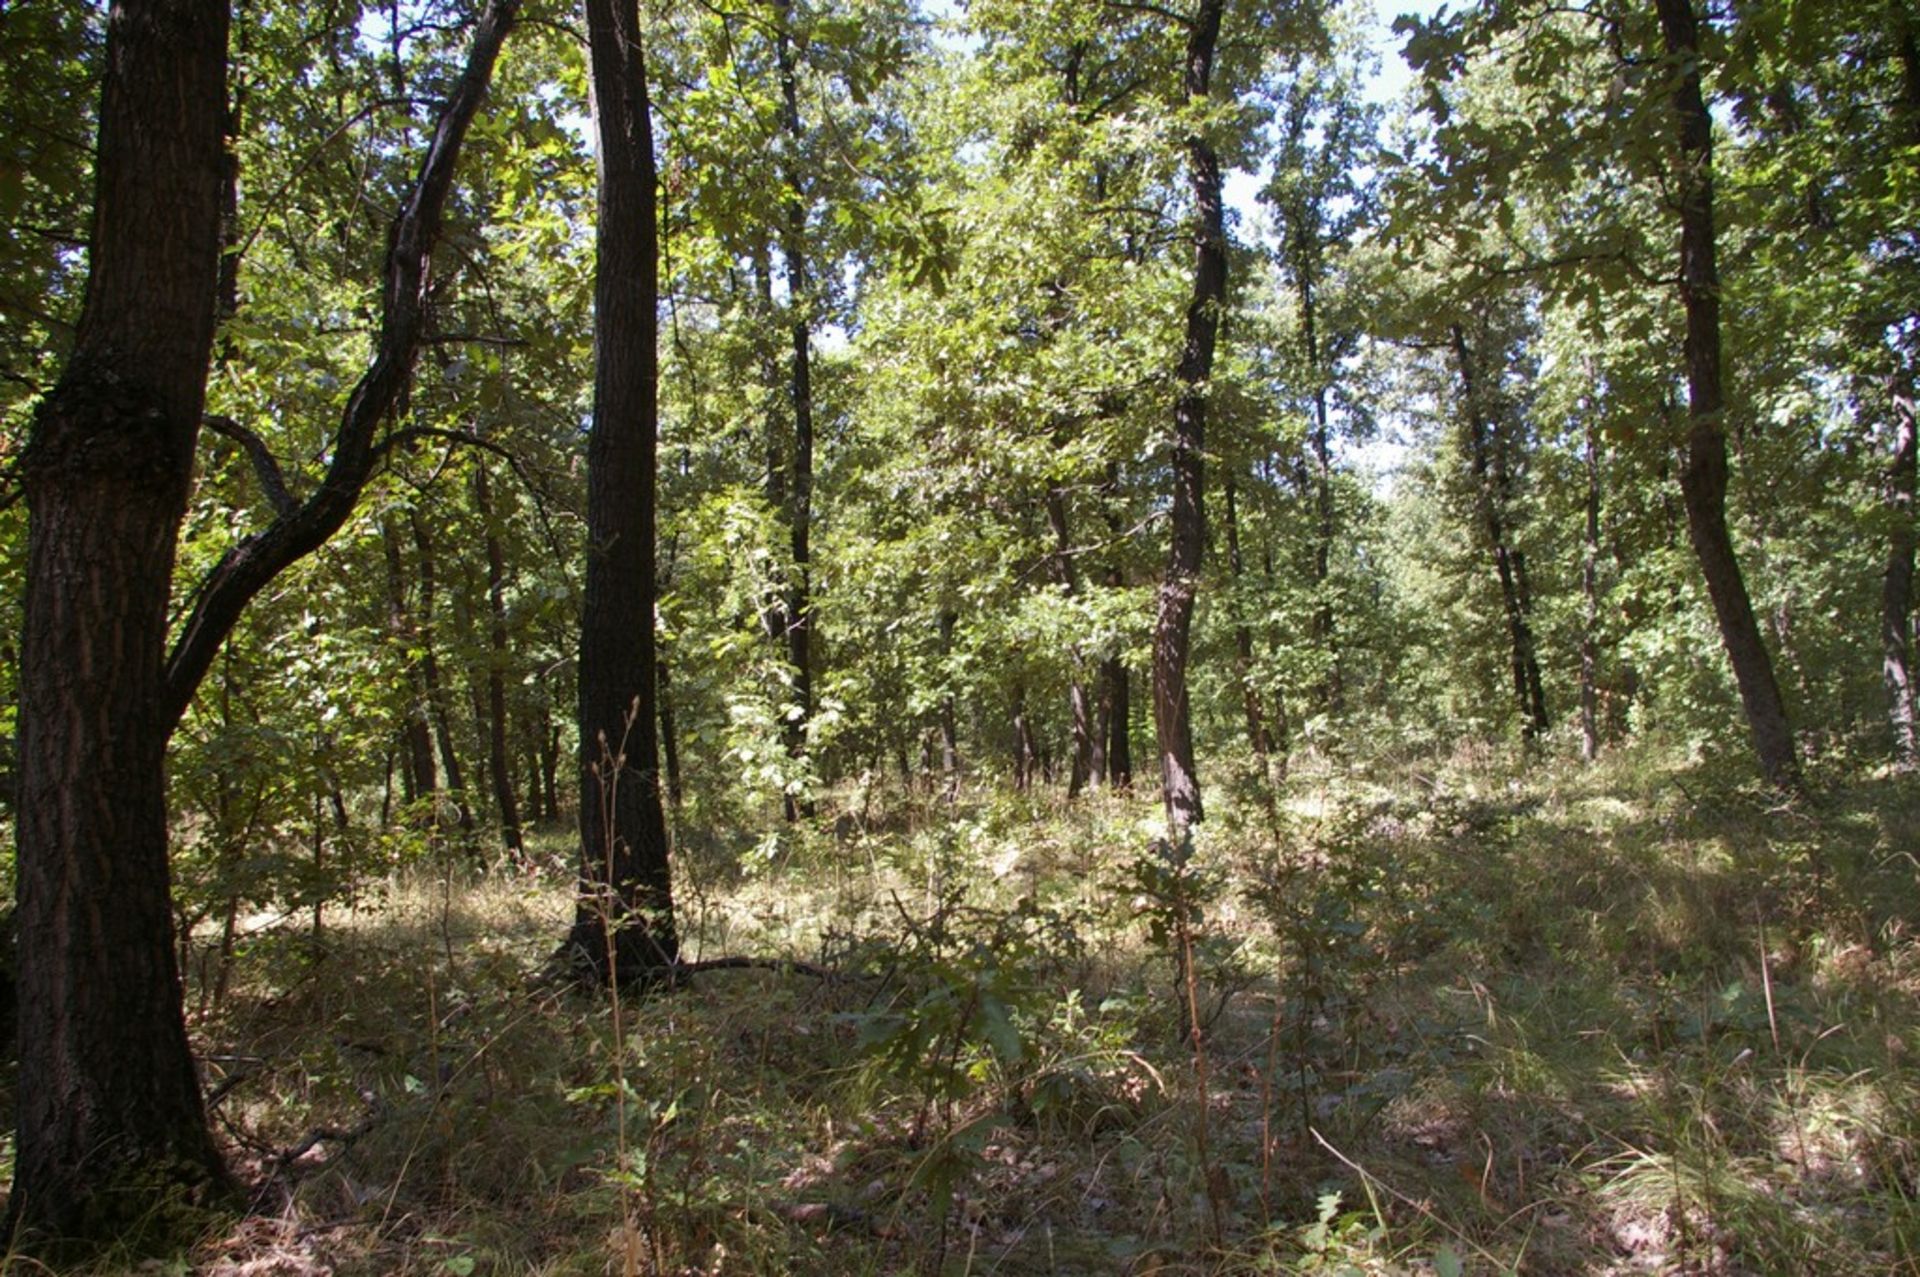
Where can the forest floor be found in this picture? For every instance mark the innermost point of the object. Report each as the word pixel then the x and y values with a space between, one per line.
pixel 1455 1017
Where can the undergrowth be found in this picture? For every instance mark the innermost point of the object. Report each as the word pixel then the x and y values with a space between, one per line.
pixel 1436 1018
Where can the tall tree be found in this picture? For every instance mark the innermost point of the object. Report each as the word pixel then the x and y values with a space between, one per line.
pixel 1703 476
pixel 623 929
pixel 1173 619
pixel 110 1117
pixel 111 1133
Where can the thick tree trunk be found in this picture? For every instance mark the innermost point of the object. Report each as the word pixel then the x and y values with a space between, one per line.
pixel 499 658
pixel 1173 619
pixel 1703 477
pixel 112 1140
pixel 623 929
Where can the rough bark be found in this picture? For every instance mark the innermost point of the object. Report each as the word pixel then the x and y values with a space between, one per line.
pixel 1173 618
pixel 112 1141
pixel 623 929
pixel 1704 474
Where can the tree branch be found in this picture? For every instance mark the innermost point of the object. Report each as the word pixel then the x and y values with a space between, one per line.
pixel 265 467
pixel 248 565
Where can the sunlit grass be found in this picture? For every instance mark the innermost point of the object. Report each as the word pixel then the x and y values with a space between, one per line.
pixel 1608 1020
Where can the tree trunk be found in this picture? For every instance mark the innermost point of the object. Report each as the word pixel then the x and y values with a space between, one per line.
pixel 1896 591
pixel 1079 707
pixel 112 1141
pixel 1590 604
pixel 949 728
pixel 499 657
pixel 417 775
pixel 439 713
pixel 1333 691
pixel 1703 477
pixel 1173 619
pixel 1490 503
pixel 1257 737
pixel 623 929
pixel 669 734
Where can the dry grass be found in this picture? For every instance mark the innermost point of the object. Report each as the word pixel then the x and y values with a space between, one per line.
pixel 1630 1020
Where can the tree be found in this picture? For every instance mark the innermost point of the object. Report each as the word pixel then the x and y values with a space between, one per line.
pixel 110 1117
pixel 1173 618
pixel 1703 476
pixel 623 927
pixel 112 1136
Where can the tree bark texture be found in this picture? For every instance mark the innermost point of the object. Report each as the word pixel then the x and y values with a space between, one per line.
pixel 1703 476
pixel 1173 617
pixel 623 929
pixel 112 1138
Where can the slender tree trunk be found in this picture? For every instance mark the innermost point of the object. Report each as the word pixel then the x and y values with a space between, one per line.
pixel 417 775
pixel 112 1138
pixel 1079 705
pixel 1333 690
pixel 1590 603
pixel 1703 478
pixel 623 929
pixel 1257 737
pixel 1896 590
pixel 949 728
pixel 439 714
pixel 1173 619
pixel 669 734
pixel 1490 500
pixel 1026 754
pixel 500 657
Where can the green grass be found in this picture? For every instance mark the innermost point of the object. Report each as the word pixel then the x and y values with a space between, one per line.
pixel 1459 1018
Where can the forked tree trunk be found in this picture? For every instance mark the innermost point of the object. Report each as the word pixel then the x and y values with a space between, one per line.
pixel 1703 476
pixel 1173 618
pixel 112 1136
pixel 623 929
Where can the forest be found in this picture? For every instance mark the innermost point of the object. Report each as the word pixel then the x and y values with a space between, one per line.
pixel 959 637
